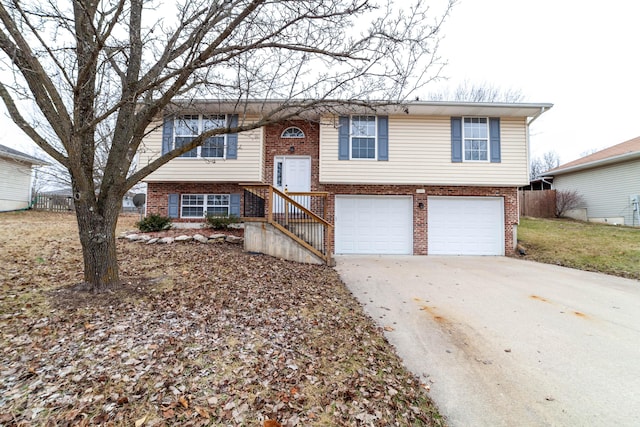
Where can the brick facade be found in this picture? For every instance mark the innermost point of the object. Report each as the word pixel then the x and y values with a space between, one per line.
pixel 275 145
pixel 158 194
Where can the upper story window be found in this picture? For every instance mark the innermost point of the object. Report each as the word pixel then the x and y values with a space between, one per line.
pixel 475 134
pixel 363 137
pixel 292 132
pixel 186 128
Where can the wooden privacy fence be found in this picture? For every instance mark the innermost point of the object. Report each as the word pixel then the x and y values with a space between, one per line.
pixel 53 203
pixel 62 203
pixel 539 204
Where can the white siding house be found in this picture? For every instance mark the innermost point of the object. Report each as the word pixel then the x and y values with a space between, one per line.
pixel 608 181
pixel 15 178
pixel 441 176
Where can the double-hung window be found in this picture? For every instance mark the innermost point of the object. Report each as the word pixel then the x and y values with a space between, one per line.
pixel 475 134
pixel 188 127
pixel 199 205
pixel 363 137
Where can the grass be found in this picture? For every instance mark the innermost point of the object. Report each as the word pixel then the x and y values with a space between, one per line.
pixel 200 335
pixel 588 246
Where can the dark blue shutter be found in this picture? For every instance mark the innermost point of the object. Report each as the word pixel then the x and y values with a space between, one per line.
pixel 494 139
pixel 167 134
pixel 234 204
pixel 343 138
pixel 456 139
pixel 232 138
pixel 173 205
pixel 383 138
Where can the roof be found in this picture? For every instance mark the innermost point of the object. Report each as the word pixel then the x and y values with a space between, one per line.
pixel 431 108
pixel 10 153
pixel 622 152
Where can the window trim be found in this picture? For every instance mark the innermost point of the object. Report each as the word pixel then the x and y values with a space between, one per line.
pixel 487 139
pixel 375 138
pixel 282 135
pixel 205 204
pixel 201 118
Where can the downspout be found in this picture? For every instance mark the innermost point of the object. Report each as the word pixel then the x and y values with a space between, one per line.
pixel 31 203
pixel 546 182
pixel 533 119
pixel 515 230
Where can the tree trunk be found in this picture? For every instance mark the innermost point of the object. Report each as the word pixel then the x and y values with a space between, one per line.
pixel 97 237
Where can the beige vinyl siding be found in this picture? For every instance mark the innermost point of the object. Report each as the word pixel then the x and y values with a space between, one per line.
pixel 606 190
pixel 246 168
pixel 420 153
pixel 16 181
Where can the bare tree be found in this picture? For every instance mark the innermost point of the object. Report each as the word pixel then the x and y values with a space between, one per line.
pixel 478 92
pixel 567 200
pixel 540 165
pixel 111 67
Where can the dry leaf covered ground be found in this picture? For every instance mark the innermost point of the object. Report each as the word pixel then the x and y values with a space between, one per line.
pixel 198 335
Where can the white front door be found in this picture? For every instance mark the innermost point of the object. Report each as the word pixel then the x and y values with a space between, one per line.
pixel 292 174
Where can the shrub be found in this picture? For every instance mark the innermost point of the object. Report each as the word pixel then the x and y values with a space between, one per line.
pixel 154 222
pixel 221 222
pixel 567 200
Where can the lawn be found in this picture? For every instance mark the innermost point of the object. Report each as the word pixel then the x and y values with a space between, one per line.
pixel 199 334
pixel 583 245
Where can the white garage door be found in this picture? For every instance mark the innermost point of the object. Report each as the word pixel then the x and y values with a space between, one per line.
pixel 374 225
pixel 465 226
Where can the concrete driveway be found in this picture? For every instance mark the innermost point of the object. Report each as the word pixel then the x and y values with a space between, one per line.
pixel 508 342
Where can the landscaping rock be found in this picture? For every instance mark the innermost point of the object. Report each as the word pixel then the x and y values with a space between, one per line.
pixel 234 239
pixel 238 226
pixel 183 238
pixel 167 240
pixel 200 238
pixel 152 241
pixel 132 237
pixel 218 236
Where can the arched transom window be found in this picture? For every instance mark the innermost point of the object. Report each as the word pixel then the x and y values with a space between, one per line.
pixel 292 132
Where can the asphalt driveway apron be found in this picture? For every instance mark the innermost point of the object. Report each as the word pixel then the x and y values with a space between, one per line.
pixel 506 342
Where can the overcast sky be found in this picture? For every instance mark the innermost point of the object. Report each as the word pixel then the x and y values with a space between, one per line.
pixel 582 56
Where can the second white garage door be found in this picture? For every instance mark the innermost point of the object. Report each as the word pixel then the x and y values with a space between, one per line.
pixel 374 225
pixel 465 226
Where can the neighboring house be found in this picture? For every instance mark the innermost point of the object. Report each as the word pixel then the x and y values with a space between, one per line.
pixel 608 181
pixel 15 178
pixel 430 178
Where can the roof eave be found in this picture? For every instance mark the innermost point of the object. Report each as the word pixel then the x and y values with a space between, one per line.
pixel 32 161
pixel 596 163
pixel 434 108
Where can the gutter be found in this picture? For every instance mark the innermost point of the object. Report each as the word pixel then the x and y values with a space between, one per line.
pixel 534 118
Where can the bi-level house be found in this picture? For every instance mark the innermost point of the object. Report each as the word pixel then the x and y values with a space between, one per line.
pixel 428 178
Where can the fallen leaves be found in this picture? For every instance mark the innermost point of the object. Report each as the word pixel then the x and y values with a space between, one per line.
pixel 240 340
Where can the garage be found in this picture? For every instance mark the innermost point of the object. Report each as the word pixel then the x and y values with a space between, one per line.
pixel 465 226
pixel 373 225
